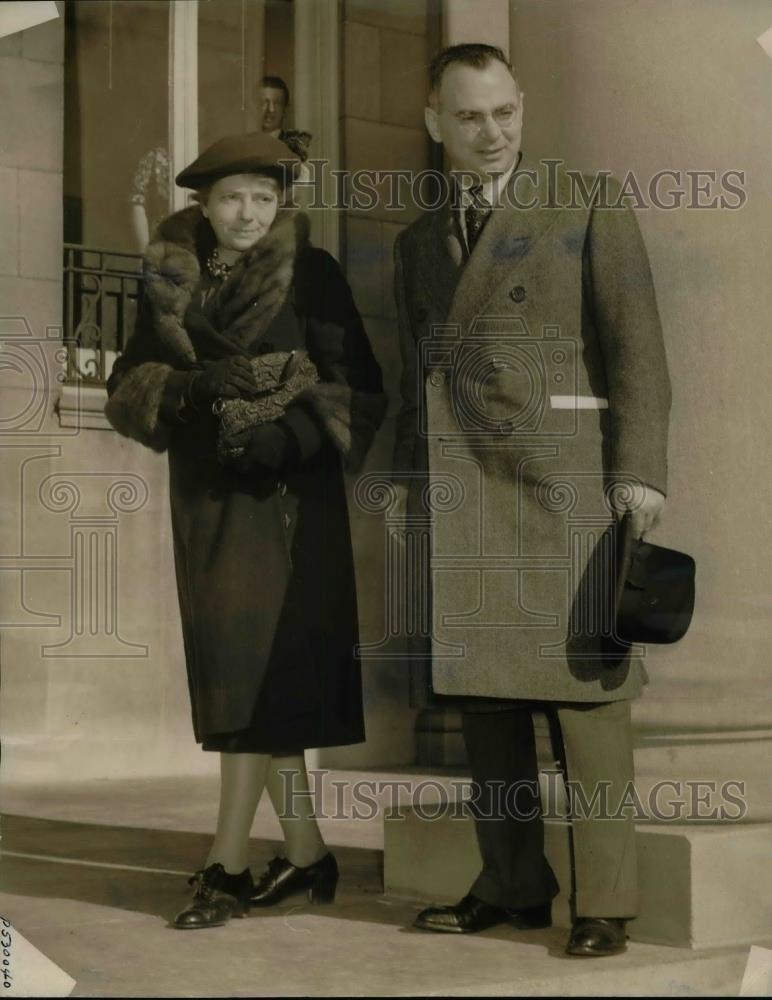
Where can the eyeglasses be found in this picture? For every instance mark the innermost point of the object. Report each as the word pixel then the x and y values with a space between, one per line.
pixel 473 122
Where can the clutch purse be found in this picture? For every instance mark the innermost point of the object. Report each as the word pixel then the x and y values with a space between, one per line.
pixel 280 377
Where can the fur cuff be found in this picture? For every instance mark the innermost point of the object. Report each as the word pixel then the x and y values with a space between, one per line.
pixel 134 407
pixel 350 417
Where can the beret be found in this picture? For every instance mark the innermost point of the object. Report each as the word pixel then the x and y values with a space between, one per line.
pixel 238 154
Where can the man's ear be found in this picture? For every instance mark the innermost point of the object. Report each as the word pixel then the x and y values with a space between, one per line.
pixel 432 122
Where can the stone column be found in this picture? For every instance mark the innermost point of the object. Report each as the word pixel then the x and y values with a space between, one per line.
pixel 439 739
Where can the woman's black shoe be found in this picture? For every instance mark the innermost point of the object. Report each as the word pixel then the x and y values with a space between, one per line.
pixel 282 878
pixel 218 897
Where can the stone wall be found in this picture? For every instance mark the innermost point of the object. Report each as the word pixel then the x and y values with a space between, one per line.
pixel 386 49
pixel 92 676
pixel 93 679
pixel 660 86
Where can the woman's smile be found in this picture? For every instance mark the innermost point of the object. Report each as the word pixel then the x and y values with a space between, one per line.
pixel 241 209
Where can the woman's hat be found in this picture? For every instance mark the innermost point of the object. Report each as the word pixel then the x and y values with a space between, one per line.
pixel 253 152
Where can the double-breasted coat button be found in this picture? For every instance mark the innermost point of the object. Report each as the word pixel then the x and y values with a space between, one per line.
pixel 517 294
pixel 437 378
pixel 421 314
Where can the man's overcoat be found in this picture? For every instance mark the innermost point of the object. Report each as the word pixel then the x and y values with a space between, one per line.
pixel 534 381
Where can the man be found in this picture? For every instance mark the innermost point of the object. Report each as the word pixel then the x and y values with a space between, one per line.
pixel 534 389
pixel 274 100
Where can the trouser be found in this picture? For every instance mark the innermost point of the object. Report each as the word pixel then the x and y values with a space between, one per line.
pixel 596 748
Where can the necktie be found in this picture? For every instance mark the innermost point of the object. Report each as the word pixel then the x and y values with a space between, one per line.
pixel 477 213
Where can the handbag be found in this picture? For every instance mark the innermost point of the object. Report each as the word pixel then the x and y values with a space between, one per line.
pixel 655 590
pixel 280 376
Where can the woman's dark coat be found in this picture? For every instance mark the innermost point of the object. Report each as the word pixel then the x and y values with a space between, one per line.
pixel 264 563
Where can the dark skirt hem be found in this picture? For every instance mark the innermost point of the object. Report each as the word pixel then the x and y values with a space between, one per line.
pixel 250 742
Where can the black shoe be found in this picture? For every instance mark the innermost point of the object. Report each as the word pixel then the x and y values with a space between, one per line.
pixel 472 914
pixel 282 879
pixel 597 936
pixel 218 897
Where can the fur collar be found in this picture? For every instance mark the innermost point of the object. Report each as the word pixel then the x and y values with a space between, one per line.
pixel 248 299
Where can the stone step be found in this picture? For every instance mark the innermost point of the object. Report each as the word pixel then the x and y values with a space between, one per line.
pixel 700 886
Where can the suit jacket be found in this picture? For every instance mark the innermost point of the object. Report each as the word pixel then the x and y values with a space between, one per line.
pixel 534 381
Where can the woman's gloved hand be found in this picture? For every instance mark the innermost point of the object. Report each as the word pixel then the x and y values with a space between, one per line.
pixel 270 445
pixel 229 377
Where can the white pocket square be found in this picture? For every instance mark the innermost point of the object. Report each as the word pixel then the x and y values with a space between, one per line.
pixel 578 403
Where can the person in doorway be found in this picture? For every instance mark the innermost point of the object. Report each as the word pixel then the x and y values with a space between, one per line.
pixel 535 386
pixel 274 101
pixel 149 197
pixel 262 547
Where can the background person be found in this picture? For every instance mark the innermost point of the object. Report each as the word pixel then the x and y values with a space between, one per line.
pixel 274 101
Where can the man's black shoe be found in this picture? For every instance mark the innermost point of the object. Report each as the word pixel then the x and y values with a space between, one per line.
pixel 472 914
pixel 597 936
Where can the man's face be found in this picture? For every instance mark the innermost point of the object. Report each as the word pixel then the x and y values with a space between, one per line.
pixel 478 118
pixel 273 105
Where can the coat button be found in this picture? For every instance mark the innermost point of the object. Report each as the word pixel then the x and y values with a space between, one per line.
pixel 437 378
pixel 517 294
pixel 421 314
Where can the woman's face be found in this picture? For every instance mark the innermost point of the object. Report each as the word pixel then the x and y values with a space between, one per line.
pixel 241 209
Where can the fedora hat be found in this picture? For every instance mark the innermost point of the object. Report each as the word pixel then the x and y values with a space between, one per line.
pixel 250 152
pixel 655 590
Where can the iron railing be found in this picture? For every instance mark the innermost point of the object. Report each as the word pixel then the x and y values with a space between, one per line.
pixel 101 288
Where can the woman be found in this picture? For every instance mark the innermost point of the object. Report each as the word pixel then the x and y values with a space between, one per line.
pixel 262 546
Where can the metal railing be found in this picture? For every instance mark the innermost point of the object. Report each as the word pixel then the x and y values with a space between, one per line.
pixel 101 288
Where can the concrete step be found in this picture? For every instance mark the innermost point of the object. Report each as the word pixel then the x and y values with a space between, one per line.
pixel 700 886
pixel 92 880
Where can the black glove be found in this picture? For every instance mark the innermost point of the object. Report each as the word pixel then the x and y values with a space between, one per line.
pixel 270 445
pixel 230 377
